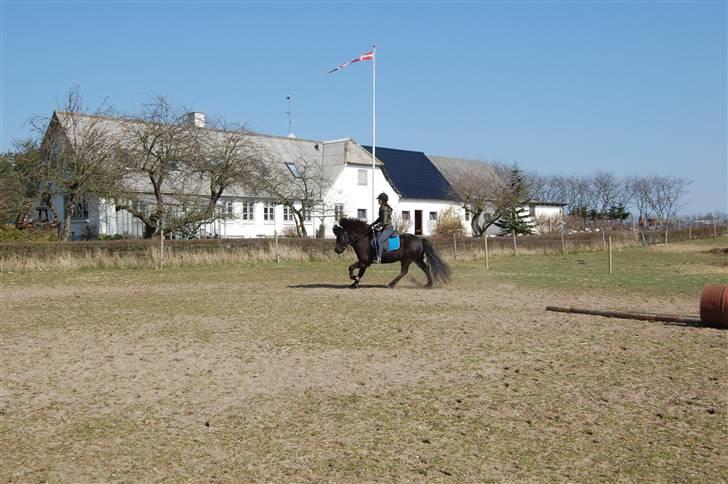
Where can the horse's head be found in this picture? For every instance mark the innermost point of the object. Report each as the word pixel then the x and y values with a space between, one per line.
pixel 342 239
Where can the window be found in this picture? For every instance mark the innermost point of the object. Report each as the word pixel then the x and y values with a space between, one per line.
pixel 339 211
pixel 247 213
pixel 363 177
pixel 433 215
pixel 269 212
pixel 287 214
pixel 227 207
pixel 80 211
pixel 307 216
pixel 467 214
pixel 361 214
pixel 406 216
pixel 294 170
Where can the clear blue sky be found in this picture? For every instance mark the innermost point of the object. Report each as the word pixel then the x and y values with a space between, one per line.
pixel 628 87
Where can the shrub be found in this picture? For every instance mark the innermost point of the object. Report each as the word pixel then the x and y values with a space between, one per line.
pixel 449 223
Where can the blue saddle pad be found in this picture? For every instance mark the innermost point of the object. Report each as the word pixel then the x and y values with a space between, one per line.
pixel 393 242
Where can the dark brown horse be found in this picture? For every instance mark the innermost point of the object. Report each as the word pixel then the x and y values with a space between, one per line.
pixel 359 235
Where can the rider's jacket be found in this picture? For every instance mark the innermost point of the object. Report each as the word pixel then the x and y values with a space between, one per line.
pixel 385 217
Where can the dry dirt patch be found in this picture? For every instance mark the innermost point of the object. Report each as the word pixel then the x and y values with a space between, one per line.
pixel 241 375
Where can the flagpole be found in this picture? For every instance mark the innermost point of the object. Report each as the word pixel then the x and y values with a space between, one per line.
pixel 374 128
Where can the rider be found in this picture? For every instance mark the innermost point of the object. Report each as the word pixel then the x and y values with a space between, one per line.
pixel 384 221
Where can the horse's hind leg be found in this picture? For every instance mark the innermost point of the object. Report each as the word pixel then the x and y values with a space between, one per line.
pixel 402 272
pixel 426 269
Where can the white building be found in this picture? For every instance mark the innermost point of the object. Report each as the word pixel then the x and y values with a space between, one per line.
pixel 418 189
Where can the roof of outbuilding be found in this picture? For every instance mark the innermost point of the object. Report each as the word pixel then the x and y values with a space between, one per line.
pixel 413 175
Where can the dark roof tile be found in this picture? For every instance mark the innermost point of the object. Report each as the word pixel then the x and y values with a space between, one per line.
pixel 413 174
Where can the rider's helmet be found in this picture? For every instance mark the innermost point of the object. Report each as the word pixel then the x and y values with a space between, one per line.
pixel 383 196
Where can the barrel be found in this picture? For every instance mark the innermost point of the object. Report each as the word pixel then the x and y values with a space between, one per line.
pixel 714 306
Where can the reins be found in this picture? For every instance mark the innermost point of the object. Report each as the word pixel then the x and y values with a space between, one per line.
pixel 360 236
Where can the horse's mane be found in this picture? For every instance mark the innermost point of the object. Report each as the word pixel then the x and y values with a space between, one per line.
pixel 353 225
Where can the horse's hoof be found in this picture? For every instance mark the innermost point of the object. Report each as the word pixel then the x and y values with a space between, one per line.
pixel 428 286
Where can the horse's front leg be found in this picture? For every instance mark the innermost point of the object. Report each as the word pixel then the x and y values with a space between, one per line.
pixel 362 269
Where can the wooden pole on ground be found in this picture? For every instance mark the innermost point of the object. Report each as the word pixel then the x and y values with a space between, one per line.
pixel 455 246
pixel 485 244
pixel 604 241
pixel 610 256
pixel 563 245
pixel 515 244
pixel 715 230
pixel 627 315
pixel 690 231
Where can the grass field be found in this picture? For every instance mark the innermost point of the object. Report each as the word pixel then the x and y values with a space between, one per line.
pixel 265 372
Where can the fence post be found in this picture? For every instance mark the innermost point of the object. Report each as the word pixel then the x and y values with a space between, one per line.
pixel 563 246
pixel 715 230
pixel 161 241
pixel 455 246
pixel 485 244
pixel 515 244
pixel 610 255
pixel 275 236
pixel 604 240
pixel 690 231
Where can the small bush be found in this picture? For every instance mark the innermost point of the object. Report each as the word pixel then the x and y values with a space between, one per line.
pixel 10 233
pixel 449 224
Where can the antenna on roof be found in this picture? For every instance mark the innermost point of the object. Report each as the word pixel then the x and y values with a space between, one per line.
pixel 290 120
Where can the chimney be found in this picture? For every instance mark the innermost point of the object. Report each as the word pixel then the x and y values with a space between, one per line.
pixel 196 119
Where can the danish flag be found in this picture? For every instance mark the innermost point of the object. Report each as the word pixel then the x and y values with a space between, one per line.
pixel 363 57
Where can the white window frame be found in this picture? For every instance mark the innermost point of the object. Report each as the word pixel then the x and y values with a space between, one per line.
pixel 287 214
pixel 406 215
pixel 269 212
pixel 228 207
pixel 248 211
pixel 433 217
pixel 359 212
pixel 339 211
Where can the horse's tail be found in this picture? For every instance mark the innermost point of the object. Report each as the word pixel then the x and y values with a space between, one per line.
pixel 438 267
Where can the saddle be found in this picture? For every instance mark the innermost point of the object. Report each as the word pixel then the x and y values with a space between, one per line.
pixel 390 245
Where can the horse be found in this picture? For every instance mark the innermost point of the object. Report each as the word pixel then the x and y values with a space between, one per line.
pixel 359 235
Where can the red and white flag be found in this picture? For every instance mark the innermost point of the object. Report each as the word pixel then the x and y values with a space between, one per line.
pixel 363 57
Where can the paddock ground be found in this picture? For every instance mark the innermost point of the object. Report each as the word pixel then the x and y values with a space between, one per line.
pixel 279 373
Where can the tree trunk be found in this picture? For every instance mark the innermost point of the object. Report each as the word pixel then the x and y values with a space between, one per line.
pixel 300 223
pixel 65 232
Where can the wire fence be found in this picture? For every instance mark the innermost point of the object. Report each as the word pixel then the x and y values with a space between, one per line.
pixel 28 256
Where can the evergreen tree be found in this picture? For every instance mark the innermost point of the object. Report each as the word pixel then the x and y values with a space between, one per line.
pixel 513 216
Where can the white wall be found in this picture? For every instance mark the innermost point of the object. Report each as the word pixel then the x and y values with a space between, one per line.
pixel 427 207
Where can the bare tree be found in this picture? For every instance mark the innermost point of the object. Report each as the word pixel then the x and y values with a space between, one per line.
pixel 227 157
pixel 481 191
pixel 296 185
pixel 81 156
pixel 158 143
pixel 637 191
pixel 664 195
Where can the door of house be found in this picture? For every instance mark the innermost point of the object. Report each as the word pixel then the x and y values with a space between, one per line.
pixel 418 222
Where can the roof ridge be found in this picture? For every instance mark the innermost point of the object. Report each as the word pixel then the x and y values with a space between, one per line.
pixel 124 119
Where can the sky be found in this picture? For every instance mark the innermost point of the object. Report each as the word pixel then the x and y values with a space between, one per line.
pixel 633 88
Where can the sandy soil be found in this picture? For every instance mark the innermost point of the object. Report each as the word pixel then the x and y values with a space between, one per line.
pixel 256 374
